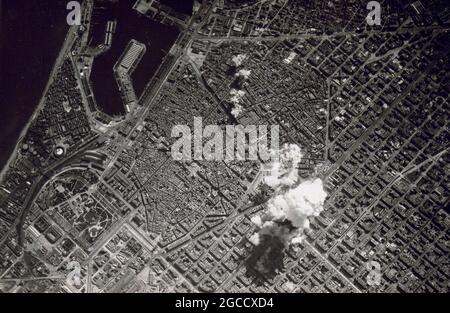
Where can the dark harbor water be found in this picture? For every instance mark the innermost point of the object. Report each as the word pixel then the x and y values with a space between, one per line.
pixel 157 37
pixel 32 33
pixel 180 6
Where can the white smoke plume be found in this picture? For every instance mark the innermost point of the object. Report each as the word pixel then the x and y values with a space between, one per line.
pixel 254 239
pixel 283 170
pixel 238 59
pixel 236 95
pixel 237 110
pixel 236 98
pixel 287 212
pixel 243 73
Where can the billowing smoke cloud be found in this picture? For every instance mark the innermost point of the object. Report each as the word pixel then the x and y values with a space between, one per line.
pixel 287 212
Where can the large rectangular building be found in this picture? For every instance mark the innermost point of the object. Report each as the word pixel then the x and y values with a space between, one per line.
pixel 131 57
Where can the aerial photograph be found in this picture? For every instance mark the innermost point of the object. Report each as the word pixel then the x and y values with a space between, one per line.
pixel 195 147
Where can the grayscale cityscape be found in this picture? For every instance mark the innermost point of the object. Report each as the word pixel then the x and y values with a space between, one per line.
pixel 225 146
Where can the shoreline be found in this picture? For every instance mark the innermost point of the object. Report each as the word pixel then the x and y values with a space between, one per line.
pixel 67 43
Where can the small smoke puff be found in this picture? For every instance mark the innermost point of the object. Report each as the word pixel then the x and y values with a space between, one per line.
pixel 283 170
pixel 243 73
pixel 297 239
pixel 238 59
pixel 291 152
pixel 254 239
pixel 236 97
pixel 237 94
pixel 237 110
pixel 256 219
